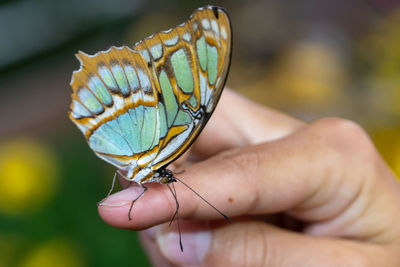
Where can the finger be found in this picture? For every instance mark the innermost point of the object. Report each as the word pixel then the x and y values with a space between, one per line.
pixel 147 239
pixel 233 182
pixel 306 174
pixel 238 121
pixel 151 237
pixel 251 243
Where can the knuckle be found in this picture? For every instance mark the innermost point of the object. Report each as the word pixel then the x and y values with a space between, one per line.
pixel 346 137
pixel 261 251
pixel 246 162
pixel 246 165
pixel 359 260
pixel 346 144
pixel 256 257
pixel 247 247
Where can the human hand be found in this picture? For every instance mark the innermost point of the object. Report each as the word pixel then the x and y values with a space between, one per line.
pixel 298 194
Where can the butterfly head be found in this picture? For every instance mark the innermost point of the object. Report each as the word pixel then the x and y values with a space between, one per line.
pixel 165 176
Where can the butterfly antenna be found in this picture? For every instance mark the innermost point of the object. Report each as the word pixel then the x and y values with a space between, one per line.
pixel 173 192
pixel 223 215
pixel 177 205
pixel 177 217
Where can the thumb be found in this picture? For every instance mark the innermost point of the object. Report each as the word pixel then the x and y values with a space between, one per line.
pixel 252 243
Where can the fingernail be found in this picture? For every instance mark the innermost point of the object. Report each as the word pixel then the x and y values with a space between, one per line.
pixel 121 198
pixel 195 246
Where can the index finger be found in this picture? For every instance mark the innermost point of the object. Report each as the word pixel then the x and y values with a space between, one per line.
pixel 238 122
pixel 306 173
pixel 232 181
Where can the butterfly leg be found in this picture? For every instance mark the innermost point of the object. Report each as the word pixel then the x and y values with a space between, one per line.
pixel 111 189
pixel 120 173
pixel 133 201
pixel 173 192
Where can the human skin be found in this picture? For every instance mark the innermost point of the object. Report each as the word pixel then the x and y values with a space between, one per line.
pixel 298 194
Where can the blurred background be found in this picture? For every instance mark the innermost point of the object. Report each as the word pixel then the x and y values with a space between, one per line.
pixel 310 58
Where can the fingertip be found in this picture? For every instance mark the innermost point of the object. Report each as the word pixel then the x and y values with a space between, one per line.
pixel 157 205
pixel 148 210
pixel 115 208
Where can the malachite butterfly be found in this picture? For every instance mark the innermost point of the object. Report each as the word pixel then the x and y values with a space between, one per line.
pixel 140 108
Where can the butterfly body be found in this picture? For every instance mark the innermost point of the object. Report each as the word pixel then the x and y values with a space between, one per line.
pixel 140 108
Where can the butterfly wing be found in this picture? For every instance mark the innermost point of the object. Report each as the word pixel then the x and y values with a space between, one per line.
pixel 141 109
pixel 193 59
pixel 115 105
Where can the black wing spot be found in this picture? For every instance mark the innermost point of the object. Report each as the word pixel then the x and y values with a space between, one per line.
pixel 149 64
pixel 215 10
pixel 160 97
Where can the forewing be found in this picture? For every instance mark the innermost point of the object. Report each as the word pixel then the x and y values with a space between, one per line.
pixel 190 65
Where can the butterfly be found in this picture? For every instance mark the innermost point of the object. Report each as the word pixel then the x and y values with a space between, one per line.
pixel 141 108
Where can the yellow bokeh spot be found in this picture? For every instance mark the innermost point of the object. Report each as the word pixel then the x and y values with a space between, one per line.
pixel 58 252
pixel 396 161
pixel 380 52
pixel 10 245
pixel 28 176
pixel 386 140
pixel 310 73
